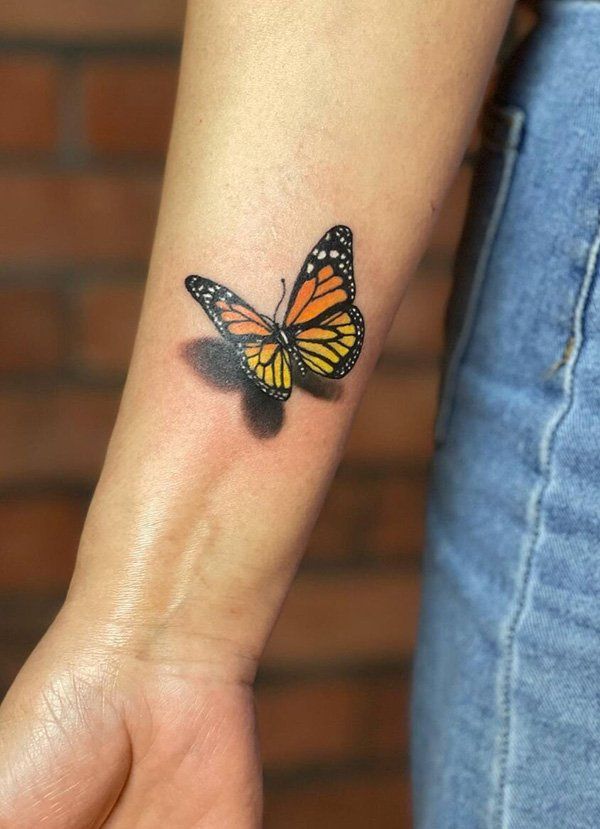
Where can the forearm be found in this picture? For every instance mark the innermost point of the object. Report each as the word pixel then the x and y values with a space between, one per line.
pixel 291 118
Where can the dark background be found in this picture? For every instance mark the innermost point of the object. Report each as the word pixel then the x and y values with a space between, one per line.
pixel 86 96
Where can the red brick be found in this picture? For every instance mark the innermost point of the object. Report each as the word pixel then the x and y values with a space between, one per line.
pixel 129 104
pixel 341 529
pixel 60 434
pixel 29 95
pixel 72 18
pixel 31 324
pixel 395 418
pixel 448 228
pixel 311 722
pixel 108 321
pixel 346 618
pixel 39 535
pixel 77 217
pixel 380 801
pixel 387 723
pixel 398 518
pixel 364 516
pixel 418 329
pixel 333 721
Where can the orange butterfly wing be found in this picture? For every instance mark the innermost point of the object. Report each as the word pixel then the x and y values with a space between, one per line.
pixel 327 330
pixel 264 360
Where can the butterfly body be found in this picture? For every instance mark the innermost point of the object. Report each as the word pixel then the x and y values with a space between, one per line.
pixel 322 330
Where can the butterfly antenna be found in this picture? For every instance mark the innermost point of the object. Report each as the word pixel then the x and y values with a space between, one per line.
pixel 281 299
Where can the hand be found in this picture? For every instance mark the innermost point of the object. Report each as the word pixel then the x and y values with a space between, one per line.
pixel 98 733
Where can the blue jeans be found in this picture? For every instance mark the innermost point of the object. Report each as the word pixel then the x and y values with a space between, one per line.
pixel 506 701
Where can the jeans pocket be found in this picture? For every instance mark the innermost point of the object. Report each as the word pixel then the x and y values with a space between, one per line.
pixel 502 134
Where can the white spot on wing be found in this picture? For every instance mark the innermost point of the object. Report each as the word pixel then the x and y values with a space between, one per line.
pixel 321 254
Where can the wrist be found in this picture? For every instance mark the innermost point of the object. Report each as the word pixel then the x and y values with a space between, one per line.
pixel 155 641
pixel 208 607
pixel 185 568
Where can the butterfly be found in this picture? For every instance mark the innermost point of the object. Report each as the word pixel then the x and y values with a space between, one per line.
pixel 322 330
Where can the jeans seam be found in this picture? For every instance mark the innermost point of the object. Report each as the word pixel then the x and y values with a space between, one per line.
pixel 499 812
pixel 511 152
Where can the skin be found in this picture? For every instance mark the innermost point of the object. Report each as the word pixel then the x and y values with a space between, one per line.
pixel 136 709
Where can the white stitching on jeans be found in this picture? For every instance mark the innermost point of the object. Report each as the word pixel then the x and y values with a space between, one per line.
pixel 499 814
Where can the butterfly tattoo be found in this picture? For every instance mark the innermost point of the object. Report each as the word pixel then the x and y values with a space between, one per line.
pixel 322 330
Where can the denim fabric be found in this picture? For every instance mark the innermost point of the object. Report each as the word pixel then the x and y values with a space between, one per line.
pixel 506 700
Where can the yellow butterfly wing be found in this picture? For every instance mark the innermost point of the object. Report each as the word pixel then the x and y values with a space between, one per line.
pixel 269 364
pixel 263 359
pixel 332 345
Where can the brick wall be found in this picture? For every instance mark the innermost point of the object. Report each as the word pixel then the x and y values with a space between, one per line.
pixel 86 95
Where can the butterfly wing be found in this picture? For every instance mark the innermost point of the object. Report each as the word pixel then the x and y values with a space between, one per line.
pixel 326 279
pixel 327 330
pixel 264 360
pixel 331 346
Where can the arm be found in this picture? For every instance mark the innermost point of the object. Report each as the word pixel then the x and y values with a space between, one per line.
pixel 291 118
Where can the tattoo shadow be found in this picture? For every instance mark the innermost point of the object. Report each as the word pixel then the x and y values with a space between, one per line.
pixel 218 364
